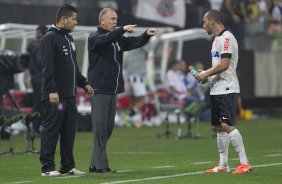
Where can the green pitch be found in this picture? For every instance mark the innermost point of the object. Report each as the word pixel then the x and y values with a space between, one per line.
pixel 139 157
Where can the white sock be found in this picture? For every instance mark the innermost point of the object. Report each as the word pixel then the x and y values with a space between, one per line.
pixel 237 142
pixel 223 145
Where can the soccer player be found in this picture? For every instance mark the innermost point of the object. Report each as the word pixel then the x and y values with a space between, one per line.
pixel 224 91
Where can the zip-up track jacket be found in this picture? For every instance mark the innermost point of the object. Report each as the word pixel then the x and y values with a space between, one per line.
pixel 60 72
pixel 106 59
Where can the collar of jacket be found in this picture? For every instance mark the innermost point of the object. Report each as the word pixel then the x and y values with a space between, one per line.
pixel 60 30
pixel 101 30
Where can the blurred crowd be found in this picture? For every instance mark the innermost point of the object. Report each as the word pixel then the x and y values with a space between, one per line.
pixel 253 22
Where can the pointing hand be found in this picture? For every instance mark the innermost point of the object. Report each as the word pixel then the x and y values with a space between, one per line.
pixel 129 28
pixel 152 31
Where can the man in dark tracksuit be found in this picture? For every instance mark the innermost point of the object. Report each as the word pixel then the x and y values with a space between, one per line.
pixel 36 74
pixel 60 79
pixel 106 47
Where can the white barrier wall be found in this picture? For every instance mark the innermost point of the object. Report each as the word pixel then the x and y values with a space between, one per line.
pixel 268 75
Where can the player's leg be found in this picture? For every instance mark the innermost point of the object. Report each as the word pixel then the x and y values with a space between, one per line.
pixel 139 92
pixel 222 137
pixel 228 124
pixel 237 142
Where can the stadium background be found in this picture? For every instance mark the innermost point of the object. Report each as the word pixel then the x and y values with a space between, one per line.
pixel 137 153
pixel 254 69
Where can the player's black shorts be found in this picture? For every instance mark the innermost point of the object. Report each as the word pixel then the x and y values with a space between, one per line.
pixel 223 109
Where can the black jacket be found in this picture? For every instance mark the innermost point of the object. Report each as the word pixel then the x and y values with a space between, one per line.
pixel 35 61
pixel 60 72
pixel 105 59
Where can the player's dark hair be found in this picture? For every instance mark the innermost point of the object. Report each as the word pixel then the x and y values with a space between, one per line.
pixel 65 10
pixel 42 29
pixel 216 16
pixel 173 62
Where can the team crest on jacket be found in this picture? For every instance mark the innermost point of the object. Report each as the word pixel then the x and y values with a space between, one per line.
pixel 60 106
pixel 73 46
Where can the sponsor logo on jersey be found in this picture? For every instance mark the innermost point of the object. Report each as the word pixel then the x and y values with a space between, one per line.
pixel 226 44
pixel 215 54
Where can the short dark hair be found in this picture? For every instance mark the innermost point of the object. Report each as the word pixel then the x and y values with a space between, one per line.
pixel 215 15
pixel 65 10
pixel 42 29
pixel 174 62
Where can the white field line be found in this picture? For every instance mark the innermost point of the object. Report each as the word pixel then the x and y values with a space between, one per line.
pixel 66 177
pixel 20 182
pixel 176 175
pixel 237 158
pixel 267 165
pixel 201 163
pixel 124 171
pixel 145 179
pixel 155 178
pixel 165 166
pixel 143 153
pixel 274 155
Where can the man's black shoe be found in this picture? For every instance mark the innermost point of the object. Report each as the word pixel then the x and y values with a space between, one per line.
pixel 106 170
pixel 92 169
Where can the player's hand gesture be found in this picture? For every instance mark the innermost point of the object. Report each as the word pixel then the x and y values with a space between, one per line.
pixel 129 28
pixel 152 31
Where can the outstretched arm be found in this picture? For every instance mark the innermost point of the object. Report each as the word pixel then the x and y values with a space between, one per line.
pixel 131 43
pixel 97 41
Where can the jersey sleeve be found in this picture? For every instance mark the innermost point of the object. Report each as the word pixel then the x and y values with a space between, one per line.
pixel 226 49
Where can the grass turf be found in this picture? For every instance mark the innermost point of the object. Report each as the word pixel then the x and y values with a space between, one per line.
pixel 142 158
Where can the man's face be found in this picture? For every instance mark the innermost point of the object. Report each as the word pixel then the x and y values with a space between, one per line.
pixel 207 24
pixel 109 21
pixel 70 22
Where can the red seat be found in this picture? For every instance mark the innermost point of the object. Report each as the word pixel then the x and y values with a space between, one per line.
pixel 178 102
pixel 26 109
pixel 123 102
pixel 19 99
